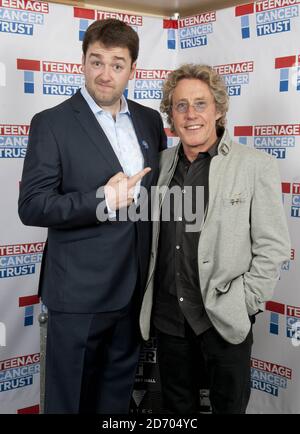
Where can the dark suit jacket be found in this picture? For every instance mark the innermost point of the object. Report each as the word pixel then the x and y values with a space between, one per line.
pixel 88 266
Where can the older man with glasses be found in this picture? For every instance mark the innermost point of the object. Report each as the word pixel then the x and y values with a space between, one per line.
pixel 210 282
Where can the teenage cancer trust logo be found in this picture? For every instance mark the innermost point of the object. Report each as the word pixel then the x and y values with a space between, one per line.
pixel 13 140
pixel 270 16
pixel 149 82
pixel 86 16
pixel 171 26
pixel 20 259
pixel 276 140
pixel 21 16
pixel 291 193
pixel 28 302
pixel 269 377
pixel 58 78
pixel 284 319
pixel 289 67
pixel 235 75
pixel 19 371
pixel 194 31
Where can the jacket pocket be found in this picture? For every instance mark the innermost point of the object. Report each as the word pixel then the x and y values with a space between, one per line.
pixel 224 288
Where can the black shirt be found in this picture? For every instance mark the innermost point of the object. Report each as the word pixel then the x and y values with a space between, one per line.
pixel 177 287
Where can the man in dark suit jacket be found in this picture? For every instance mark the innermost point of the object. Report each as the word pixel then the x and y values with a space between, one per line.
pixel 93 149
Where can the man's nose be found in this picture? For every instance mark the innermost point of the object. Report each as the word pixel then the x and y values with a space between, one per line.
pixel 105 73
pixel 191 112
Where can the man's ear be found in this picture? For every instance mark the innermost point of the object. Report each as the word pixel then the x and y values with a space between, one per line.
pixel 132 72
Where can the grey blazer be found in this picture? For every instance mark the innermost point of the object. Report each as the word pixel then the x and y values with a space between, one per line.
pixel 244 237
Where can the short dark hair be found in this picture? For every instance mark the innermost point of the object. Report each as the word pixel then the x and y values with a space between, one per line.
pixel 112 33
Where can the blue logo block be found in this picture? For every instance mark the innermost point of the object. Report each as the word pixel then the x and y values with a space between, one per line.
pixel 28 77
pixel 28 321
pixel 274 323
pixel 81 35
pixel 284 86
pixel 243 140
pixel 83 25
pixel 284 74
pixel 274 329
pixel 246 33
pixel 29 87
pixel 171 39
pixel 171 45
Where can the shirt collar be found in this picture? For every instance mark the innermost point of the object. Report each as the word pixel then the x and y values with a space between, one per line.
pixel 214 149
pixel 96 108
pixel 212 152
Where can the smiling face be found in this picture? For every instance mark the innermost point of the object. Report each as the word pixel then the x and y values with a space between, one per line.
pixel 107 71
pixel 196 129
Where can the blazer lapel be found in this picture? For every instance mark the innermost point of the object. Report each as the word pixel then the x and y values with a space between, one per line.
pixel 168 162
pixel 92 128
pixel 142 142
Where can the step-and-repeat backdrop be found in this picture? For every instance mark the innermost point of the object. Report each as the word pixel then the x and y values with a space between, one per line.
pixel 256 49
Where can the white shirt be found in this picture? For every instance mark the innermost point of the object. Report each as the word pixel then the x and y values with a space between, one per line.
pixel 121 135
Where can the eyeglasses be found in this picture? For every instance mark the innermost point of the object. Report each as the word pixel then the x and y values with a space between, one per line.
pixel 183 106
